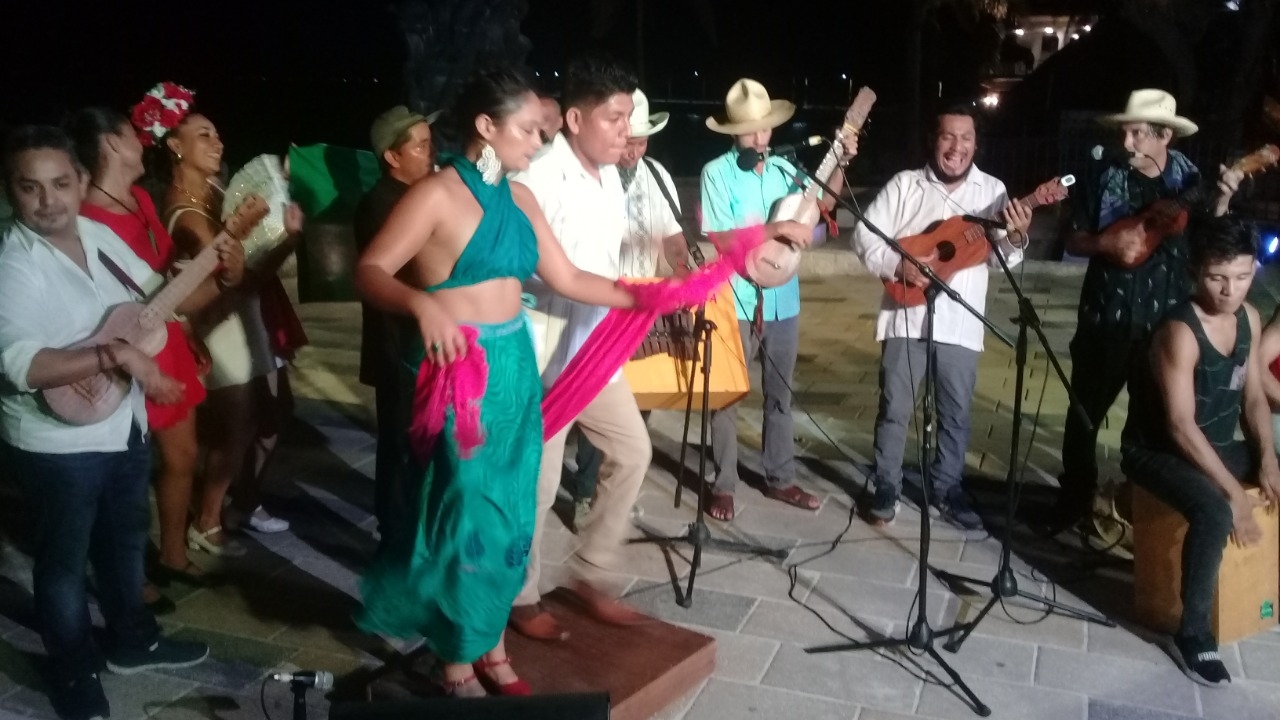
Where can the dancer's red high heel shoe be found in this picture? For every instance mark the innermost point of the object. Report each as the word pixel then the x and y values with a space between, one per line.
pixel 516 687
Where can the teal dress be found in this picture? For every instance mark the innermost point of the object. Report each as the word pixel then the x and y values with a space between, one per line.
pixel 451 576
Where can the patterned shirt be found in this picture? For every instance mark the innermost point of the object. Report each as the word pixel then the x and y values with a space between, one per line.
pixel 1121 304
pixel 650 219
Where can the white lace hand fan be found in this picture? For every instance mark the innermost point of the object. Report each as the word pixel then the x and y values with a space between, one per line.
pixel 262 176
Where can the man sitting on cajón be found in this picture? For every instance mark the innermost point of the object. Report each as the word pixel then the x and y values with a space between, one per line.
pixel 1202 379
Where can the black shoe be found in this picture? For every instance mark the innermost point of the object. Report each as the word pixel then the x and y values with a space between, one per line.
pixel 1065 514
pixel 1199 659
pixel 163 575
pixel 884 505
pixel 163 653
pixel 955 509
pixel 80 699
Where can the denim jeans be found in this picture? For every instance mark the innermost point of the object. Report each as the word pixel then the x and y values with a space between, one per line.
pixel 902 366
pixel 1186 489
pixel 88 506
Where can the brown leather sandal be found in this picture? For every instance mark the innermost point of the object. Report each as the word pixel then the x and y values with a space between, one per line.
pixel 794 496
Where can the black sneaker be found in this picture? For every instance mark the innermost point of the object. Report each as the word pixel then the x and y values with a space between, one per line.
pixel 163 653
pixel 1199 659
pixel 884 505
pixel 80 699
pixel 955 509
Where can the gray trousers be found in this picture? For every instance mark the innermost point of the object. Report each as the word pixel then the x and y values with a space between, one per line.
pixel 902 364
pixel 781 340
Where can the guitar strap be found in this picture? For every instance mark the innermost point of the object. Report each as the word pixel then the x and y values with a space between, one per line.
pixel 121 275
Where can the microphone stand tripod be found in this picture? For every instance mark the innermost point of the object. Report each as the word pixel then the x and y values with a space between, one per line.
pixel 1005 583
pixel 697 533
pixel 920 637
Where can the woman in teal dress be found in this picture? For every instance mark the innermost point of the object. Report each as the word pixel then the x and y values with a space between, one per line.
pixel 453 254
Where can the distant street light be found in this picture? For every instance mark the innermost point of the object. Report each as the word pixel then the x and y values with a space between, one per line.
pixel 1019 32
pixel 1075 36
pixel 1048 31
pixel 695 73
pixel 1087 28
pixel 991 100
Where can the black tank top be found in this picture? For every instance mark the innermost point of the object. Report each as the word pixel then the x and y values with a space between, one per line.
pixel 1219 385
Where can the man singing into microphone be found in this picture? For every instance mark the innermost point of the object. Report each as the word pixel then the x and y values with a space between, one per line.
pixel 738 193
pixel 949 185
pixel 1119 307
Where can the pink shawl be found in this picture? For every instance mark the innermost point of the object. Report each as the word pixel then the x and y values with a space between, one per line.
pixel 461 384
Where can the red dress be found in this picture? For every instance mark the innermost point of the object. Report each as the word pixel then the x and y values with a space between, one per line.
pixel 156 248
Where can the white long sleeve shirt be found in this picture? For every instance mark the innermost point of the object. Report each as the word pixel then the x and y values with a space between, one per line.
pixel 589 219
pixel 47 301
pixel 911 202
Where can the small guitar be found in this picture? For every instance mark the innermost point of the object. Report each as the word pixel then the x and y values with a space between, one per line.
pixel 94 398
pixel 775 262
pixel 1164 218
pixel 960 244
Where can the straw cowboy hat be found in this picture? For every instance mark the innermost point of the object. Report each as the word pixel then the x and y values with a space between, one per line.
pixel 642 123
pixel 748 109
pixel 1153 106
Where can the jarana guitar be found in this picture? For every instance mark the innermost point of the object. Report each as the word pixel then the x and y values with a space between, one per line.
pixel 775 262
pixel 960 244
pixel 1164 218
pixel 94 398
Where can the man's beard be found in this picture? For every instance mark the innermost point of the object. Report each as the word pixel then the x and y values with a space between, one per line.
pixel 627 174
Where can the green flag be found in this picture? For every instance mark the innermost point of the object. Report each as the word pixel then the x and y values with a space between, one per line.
pixel 328 181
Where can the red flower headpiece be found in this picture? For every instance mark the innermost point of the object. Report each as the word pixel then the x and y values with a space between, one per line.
pixel 160 111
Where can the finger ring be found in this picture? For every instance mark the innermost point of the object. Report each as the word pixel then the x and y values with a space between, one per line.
pixel 435 347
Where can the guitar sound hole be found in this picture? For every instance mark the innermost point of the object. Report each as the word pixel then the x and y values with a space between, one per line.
pixel 946 251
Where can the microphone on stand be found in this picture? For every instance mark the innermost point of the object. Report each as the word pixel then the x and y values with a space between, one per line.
pixel 1114 157
pixel 317 679
pixel 750 157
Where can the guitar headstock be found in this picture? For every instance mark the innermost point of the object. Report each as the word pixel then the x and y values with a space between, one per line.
pixel 1052 192
pixel 247 214
pixel 1258 160
pixel 856 115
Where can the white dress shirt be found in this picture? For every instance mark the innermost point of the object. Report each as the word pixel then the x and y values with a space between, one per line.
pixel 588 218
pixel 650 220
pixel 47 301
pixel 911 202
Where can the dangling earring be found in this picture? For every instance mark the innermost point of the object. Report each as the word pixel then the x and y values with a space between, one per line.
pixel 179 156
pixel 488 165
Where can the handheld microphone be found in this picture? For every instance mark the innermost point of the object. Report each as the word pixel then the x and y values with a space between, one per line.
pixel 318 679
pixel 750 157
pixel 1119 156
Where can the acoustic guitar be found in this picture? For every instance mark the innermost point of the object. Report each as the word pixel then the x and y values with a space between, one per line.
pixel 1164 218
pixel 94 398
pixel 775 262
pixel 960 244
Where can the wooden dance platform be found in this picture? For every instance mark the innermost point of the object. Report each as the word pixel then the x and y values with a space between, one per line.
pixel 644 668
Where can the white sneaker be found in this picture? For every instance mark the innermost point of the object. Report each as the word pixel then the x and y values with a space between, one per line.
pixel 262 522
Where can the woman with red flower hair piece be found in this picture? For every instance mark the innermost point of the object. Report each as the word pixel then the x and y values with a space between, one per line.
pixel 243 371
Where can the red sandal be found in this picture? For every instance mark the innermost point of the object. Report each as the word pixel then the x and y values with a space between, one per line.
pixel 516 687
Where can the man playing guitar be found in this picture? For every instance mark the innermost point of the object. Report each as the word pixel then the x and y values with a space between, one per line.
pixel 1119 305
pixel 912 201
pixel 733 197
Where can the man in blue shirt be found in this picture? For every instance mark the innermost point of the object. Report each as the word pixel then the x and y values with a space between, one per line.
pixel 733 197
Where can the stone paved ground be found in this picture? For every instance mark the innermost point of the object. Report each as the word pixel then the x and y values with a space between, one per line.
pixel 292 597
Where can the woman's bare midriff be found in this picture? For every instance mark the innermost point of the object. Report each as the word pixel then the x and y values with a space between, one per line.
pixel 492 301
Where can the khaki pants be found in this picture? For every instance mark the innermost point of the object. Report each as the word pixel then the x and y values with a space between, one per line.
pixel 612 424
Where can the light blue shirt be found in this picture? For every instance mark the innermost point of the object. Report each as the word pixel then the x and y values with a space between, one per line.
pixel 733 198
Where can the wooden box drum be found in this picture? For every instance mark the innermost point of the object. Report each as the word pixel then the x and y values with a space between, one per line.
pixel 658 373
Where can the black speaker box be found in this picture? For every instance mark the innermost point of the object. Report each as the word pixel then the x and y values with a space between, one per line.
pixel 580 706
